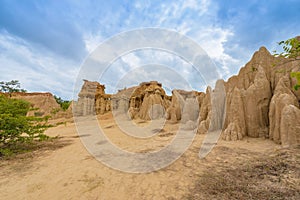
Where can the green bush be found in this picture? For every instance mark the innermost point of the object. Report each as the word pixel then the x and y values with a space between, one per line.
pixel 64 104
pixel 16 127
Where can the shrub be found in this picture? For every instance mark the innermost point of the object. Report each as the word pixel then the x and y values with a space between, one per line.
pixel 64 104
pixel 16 127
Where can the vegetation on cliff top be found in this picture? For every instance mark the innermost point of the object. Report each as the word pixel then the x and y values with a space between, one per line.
pixel 291 51
pixel 11 86
pixel 64 104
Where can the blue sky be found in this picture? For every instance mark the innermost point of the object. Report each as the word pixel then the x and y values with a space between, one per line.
pixel 43 43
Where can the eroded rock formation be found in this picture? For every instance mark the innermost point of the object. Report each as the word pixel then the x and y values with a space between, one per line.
pixel 146 101
pixel 259 102
pixel 92 99
pixel 44 103
pixel 184 106
pixel 205 111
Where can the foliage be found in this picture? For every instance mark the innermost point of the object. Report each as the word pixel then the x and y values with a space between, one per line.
pixel 291 50
pixel 297 76
pixel 16 127
pixel 64 104
pixel 11 86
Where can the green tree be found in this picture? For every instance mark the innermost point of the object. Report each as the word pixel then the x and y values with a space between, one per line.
pixel 64 104
pixel 11 86
pixel 291 51
pixel 17 128
pixel 291 48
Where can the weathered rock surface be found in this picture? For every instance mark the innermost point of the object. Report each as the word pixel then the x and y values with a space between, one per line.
pixel 282 97
pixel 235 116
pixel 205 111
pixel 121 102
pixel 45 103
pixel 218 102
pixel 146 101
pixel 174 111
pixel 257 97
pixel 188 106
pixel 154 101
pixel 248 97
pixel 184 106
pixel 290 126
pixel 258 102
pixel 92 99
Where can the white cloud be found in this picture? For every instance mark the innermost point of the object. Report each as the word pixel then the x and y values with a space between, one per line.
pixel 183 28
pixel 132 60
pixel 197 19
pixel 200 6
pixel 151 64
pixel 92 41
pixel 36 70
pixel 212 40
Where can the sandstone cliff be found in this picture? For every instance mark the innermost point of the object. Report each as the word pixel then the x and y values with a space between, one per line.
pixel 146 101
pixel 259 102
pixel 92 99
pixel 44 103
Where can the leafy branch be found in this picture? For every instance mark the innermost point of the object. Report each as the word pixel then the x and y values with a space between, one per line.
pixel 11 86
pixel 291 51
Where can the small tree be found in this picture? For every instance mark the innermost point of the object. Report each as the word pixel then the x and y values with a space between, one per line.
pixel 16 127
pixel 11 86
pixel 291 51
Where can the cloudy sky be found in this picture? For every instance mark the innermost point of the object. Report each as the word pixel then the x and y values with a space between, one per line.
pixel 43 44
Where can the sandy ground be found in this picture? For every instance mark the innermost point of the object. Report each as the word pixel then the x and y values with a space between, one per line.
pixel 70 172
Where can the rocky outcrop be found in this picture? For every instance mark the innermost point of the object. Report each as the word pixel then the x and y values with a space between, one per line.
pixel 188 107
pixel 154 100
pixel 92 99
pixel 258 102
pixel 256 105
pixel 248 97
pixel 184 106
pixel 282 98
pixel 260 97
pixel 235 116
pixel 121 102
pixel 218 103
pixel 43 103
pixel 146 101
pixel 290 126
pixel 205 111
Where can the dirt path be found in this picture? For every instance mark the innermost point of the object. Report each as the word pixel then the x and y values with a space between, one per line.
pixel 71 172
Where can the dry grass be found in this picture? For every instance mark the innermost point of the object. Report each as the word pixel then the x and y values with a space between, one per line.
pixel 34 149
pixel 268 176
